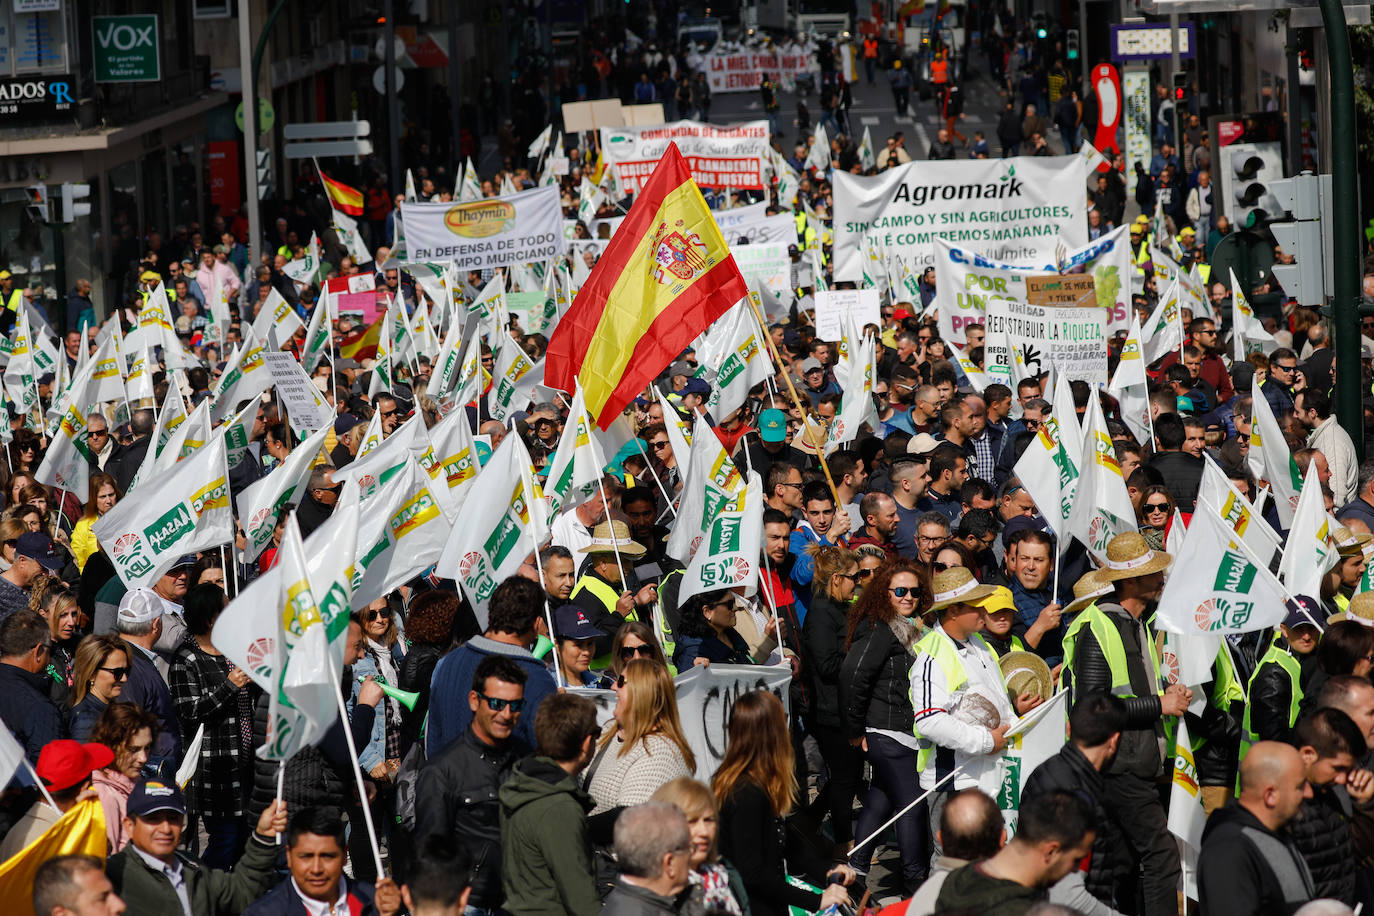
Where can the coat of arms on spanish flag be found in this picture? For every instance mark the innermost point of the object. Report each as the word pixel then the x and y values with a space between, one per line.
pixel 665 276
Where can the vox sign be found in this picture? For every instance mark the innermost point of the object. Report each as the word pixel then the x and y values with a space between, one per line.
pixel 126 49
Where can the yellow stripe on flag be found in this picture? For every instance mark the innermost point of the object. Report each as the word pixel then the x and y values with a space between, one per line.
pixel 81 831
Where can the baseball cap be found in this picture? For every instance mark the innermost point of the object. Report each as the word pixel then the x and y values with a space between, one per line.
pixel 793 249
pixel 571 622
pixel 152 795
pixel 65 763
pixel 39 547
pixel 922 444
pixel 1304 611
pixel 811 364
pixel 999 600
pixel 346 362
pixel 695 386
pixel 773 425
pixel 681 367
pixel 139 606
pixel 186 559
pixel 1022 523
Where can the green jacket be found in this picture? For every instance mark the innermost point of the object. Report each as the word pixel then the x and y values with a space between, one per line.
pixel 211 892
pixel 546 854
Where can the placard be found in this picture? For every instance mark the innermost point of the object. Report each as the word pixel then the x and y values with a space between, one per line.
pixel 705 696
pixel 305 406
pixel 766 265
pixel 1061 290
pixel 1069 340
pixel 720 156
pixel 512 229
pixel 832 306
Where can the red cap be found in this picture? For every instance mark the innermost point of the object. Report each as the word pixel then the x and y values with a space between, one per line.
pixel 901 314
pixel 64 763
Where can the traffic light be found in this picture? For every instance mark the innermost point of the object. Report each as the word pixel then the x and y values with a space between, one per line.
pixel 1071 44
pixel 37 205
pixel 1180 86
pixel 1248 170
pixel 71 193
pixel 1302 238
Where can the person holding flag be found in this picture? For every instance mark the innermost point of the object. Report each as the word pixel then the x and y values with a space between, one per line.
pixel 602 591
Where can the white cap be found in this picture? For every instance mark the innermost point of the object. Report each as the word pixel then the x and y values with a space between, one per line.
pixel 142 605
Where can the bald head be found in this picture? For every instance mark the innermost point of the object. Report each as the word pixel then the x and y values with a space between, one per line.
pixel 1273 783
pixel 971 826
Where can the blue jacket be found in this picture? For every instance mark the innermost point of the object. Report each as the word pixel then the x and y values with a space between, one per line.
pixel 1029 604
pixel 283 900
pixel 146 688
pixel 374 752
pixel 804 566
pixel 27 711
pixel 82 717
pixel 449 714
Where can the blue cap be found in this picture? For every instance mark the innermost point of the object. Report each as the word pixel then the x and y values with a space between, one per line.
pixel 152 795
pixel 1304 611
pixel 571 622
pixel 694 386
pixel 773 425
pixel 39 547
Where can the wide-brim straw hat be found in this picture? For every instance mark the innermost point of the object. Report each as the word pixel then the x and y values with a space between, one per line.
pixel 1089 587
pixel 810 438
pixel 1026 672
pixel 1129 557
pixel 610 537
pixel 1349 543
pixel 1360 610
pixel 957 586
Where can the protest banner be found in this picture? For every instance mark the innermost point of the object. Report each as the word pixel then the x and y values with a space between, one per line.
pixel 1072 341
pixel 354 295
pixel 1015 210
pixel 732 220
pixel 305 406
pixel 766 265
pixel 719 156
pixel 480 234
pixel 1061 290
pixel 834 308
pixel 705 696
pixel 743 71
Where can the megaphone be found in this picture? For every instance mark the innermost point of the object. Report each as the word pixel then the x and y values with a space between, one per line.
pixel 542 645
pixel 407 698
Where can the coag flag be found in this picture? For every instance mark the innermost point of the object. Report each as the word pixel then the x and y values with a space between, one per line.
pixel 575 470
pixel 1187 817
pixel 1247 332
pixel 513 379
pixel 316 339
pixel 67 463
pixel 1246 520
pixel 188 510
pixel 665 276
pixel 456 452
pixel 1047 468
pixel 1163 330
pixel 341 196
pixel 245 377
pixel 1270 459
pixel 308 681
pixel 1131 386
pixel 170 418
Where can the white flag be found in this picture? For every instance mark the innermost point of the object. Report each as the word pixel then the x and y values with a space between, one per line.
pixel 575 469
pixel 1215 587
pixel 1102 507
pixel 1270 460
pixel 305 269
pixel 866 158
pixel 139 385
pixel 540 142
pixel 260 504
pixel 346 227
pixel 186 511
pixel 1308 552
pixel 402 533
pixel 1131 387
pixel 276 315
pixel 308 682
pixel 740 364
pixel 245 377
pixel 469 189
pixel 514 378
pixel 728 556
pixel 1163 330
pixel 856 404
pixel 67 464
pixel 818 157
pixel 1187 817
pixel 710 481
pixel 1221 496
pixel 1247 332
pixel 456 452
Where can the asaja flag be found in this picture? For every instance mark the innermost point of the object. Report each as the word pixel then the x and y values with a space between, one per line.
pixel 1102 506
pixel 261 503
pixel 1032 739
pixel 341 196
pixel 741 362
pixel 1308 553
pixel 373 470
pixel 1187 817
pixel 496 535
pixel 1269 458
pixel 1219 589
pixel 188 510
pixel 1131 386
pixel 731 545
pixel 710 481
pixel 664 277
pixel 575 471
pixel 81 831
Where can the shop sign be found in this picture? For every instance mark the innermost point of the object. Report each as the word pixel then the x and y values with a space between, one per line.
pixel 37 97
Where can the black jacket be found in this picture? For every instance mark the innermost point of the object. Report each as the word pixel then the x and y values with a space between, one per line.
pixel 1271 700
pixel 875 682
pixel 1247 869
pixel 460 792
pixel 1139 752
pixel 124 463
pixel 1009 128
pixel 417 670
pixel 1182 475
pixel 1216 760
pixel 283 900
pixel 757 842
pixel 629 900
pixel 823 657
pixel 26 710
pixel 1321 831
pixel 1070 771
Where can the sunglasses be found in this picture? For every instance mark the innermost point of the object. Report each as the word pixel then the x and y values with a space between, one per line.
pixel 852 577
pixel 629 653
pixel 658 446
pixel 117 673
pixel 496 704
pixel 1156 507
pixel 373 615
pixel 865 574
pixel 902 591
pixel 620 682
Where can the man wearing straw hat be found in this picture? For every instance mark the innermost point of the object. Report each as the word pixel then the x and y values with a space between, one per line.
pixel 961 703
pixel 1107 648
pixel 602 592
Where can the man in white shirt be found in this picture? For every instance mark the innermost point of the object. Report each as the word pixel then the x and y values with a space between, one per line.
pixel 962 709
pixel 573 529
pixel 316 850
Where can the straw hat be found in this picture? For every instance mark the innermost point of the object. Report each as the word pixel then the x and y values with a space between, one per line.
pixel 1089 587
pixel 957 586
pixel 1360 610
pixel 810 432
pixel 1129 557
pixel 1348 543
pixel 608 537
pixel 1026 672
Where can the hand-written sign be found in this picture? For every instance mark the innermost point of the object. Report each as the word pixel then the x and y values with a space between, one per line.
pixel 1061 290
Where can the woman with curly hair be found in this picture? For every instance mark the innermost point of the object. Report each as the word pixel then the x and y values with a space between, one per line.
pixel 875 680
pixel 646 746
pixel 429 627
pixel 130 732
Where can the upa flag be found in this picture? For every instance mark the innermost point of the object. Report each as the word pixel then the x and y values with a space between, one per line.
pixel 1219 590
pixel 664 277
pixel 1269 458
pixel 341 196
pixel 1308 553
pixel 728 555
pixel 261 503
pixel 1102 506
pixel 575 470
pixel 1187 817
pixel 1131 386
pixel 188 510
pixel 496 535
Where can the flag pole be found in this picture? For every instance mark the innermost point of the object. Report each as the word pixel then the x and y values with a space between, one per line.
pixel 900 814
pixel 610 524
pixel 357 767
pixel 281 785
pixel 548 618
pixel 650 465
pixel 806 428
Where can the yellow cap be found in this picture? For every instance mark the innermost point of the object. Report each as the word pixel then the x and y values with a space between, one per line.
pixel 4 274
pixel 999 600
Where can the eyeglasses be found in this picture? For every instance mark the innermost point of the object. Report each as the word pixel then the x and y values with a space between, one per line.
pixel 852 577
pixel 1156 507
pixel 797 485
pixel 902 591
pixel 117 673
pixel 658 446
pixel 496 704
pixel 629 653
pixel 373 615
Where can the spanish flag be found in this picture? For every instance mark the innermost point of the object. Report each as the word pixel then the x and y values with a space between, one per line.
pixel 345 199
pixel 363 345
pixel 665 276
pixel 80 831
